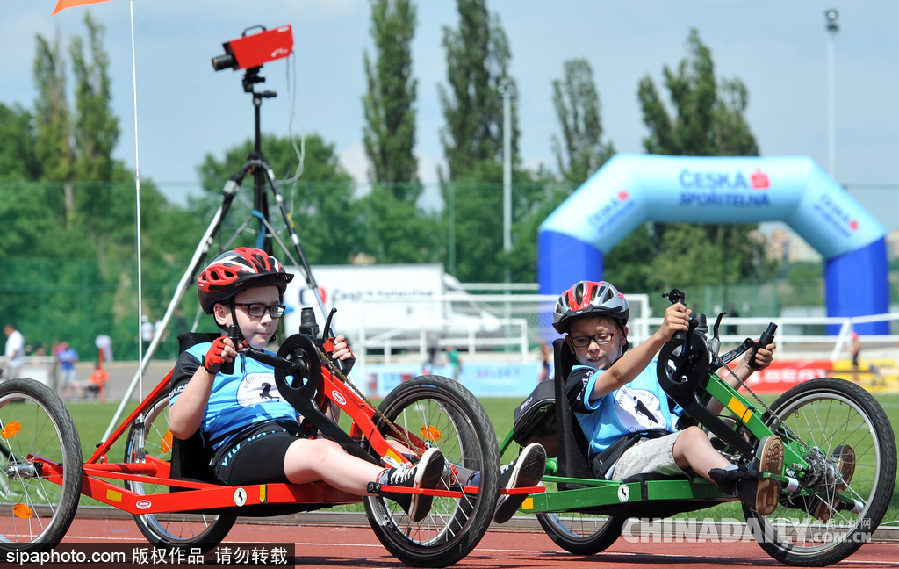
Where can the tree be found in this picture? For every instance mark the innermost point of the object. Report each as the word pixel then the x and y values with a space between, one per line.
pixel 478 59
pixel 707 120
pixel 18 158
pixel 51 108
pixel 581 151
pixel 389 131
pixel 396 231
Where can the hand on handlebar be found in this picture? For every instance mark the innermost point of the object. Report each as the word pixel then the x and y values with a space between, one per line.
pixel 677 319
pixel 339 350
pixel 761 358
pixel 221 352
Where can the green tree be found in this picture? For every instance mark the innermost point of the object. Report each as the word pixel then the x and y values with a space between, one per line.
pixel 389 130
pixel 396 230
pixel 707 120
pixel 581 151
pixel 51 108
pixel 478 59
pixel 18 158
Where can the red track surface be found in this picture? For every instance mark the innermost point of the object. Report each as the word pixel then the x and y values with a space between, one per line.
pixel 338 547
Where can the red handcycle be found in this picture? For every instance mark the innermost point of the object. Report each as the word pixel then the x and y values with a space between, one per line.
pixel 176 504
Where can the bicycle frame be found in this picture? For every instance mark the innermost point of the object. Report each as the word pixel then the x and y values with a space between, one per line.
pixel 599 495
pixel 202 495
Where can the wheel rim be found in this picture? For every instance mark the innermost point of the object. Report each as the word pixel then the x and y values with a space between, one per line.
pixel 825 421
pixel 170 528
pixel 454 435
pixel 577 527
pixel 29 502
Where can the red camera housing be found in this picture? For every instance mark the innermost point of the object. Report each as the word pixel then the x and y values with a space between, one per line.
pixel 254 50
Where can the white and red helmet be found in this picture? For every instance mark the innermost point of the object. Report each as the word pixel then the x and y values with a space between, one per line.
pixel 589 298
pixel 237 270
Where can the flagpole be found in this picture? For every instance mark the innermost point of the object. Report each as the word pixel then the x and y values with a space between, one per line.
pixel 140 295
pixel 62 5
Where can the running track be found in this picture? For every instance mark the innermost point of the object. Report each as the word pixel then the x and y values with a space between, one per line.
pixel 354 545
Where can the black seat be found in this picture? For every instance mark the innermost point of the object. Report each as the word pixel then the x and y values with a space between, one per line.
pixel 190 459
pixel 572 445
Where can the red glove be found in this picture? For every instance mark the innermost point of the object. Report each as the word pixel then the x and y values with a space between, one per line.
pixel 215 357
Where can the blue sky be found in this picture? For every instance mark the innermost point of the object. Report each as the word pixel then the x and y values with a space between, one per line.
pixel 779 49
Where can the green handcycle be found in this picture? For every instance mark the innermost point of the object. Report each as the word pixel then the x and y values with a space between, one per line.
pixel 839 457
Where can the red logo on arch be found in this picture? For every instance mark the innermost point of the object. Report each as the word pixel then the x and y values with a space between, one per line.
pixel 760 180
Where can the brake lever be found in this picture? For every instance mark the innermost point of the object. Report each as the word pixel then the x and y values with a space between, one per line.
pixel 343 366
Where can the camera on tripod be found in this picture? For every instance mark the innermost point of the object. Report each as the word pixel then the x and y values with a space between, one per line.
pixel 250 51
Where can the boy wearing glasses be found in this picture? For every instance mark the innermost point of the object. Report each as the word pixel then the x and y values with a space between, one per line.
pixel 624 412
pixel 251 433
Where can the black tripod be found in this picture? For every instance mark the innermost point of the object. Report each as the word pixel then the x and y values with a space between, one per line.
pixel 264 179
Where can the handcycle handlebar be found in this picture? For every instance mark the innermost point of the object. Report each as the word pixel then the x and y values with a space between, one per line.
pixel 688 365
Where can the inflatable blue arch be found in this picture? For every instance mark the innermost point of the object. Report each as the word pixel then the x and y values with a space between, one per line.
pixel 632 189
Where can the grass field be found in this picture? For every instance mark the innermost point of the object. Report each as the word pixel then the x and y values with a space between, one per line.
pixel 92 419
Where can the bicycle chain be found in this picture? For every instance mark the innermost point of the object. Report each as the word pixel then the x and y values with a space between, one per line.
pixel 766 409
pixel 346 380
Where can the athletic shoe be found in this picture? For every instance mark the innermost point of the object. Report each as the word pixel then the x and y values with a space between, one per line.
pixel 762 494
pixel 842 476
pixel 526 470
pixel 426 474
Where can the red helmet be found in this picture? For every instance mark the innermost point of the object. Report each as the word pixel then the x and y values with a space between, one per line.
pixel 588 298
pixel 237 270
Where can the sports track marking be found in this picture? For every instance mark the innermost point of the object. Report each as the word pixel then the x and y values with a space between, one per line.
pixel 357 546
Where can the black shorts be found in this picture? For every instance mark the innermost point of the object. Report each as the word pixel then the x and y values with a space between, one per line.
pixel 255 459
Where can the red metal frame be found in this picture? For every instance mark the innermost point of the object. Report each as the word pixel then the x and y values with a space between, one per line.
pixel 194 495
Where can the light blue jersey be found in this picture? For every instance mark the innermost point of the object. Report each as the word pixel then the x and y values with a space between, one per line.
pixel 641 405
pixel 238 401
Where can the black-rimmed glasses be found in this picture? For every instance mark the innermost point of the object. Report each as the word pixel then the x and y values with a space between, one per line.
pixel 256 310
pixel 600 339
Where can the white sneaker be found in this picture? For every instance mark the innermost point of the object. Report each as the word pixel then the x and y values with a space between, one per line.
pixel 526 470
pixel 426 474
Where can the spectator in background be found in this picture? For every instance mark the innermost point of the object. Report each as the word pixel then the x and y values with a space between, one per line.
pixel 855 347
pixel 146 329
pixel 731 329
pixel 68 383
pixel 452 358
pixel 546 358
pixel 14 352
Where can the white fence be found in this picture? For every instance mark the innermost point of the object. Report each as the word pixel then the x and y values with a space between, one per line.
pixel 519 322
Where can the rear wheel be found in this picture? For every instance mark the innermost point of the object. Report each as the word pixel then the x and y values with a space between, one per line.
pixel 150 438
pixel 37 502
pixel 450 418
pixel 582 534
pixel 813 527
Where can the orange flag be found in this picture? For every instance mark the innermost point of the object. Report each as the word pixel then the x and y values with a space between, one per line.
pixel 63 4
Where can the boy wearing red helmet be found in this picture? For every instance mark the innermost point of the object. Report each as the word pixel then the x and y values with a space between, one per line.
pixel 252 434
pixel 624 412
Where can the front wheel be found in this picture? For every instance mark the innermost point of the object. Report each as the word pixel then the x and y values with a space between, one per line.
pixel 582 534
pixel 447 416
pixel 150 439
pixel 37 503
pixel 812 527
